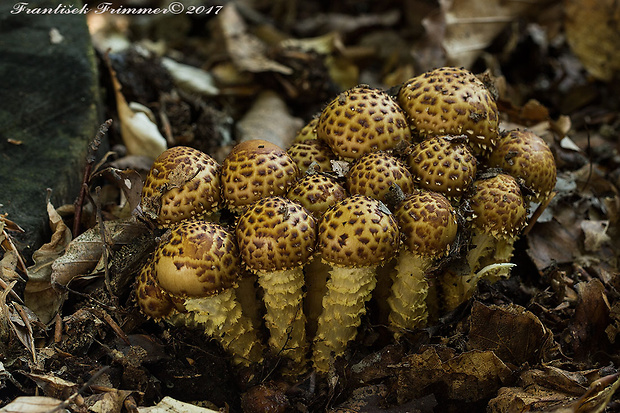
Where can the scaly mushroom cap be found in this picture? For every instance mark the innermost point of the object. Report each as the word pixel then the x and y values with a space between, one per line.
pixel 427 224
pixel 356 232
pixel 182 183
pixel 316 193
pixel 362 120
pixel 441 165
pixel 198 259
pixel 275 234
pixel 256 169
pixel 526 157
pixel 308 132
pixel 498 206
pixel 374 173
pixel 451 101
pixel 305 153
pixel 152 300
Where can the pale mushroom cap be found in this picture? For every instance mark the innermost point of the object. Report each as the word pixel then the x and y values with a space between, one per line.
pixel 275 234
pixel 358 231
pixel 451 101
pixel 306 153
pixel 256 169
pixel 441 165
pixel 374 173
pixel 528 158
pixel 498 206
pixel 197 259
pixel 362 120
pixel 316 193
pixel 182 183
pixel 427 224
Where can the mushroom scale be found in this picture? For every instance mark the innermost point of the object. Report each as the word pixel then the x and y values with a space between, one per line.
pixel 198 265
pixel 276 237
pixel 362 120
pixel 499 215
pixel 182 183
pixel 355 236
pixel 451 101
pixel 428 227
pixel 256 169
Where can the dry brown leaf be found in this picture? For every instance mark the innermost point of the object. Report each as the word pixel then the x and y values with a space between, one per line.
pixel 595 232
pixel 33 404
pixel 53 386
pixel 591 319
pixel 469 377
pixel 245 50
pixel 108 402
pixel 471 25
pixel 592 30
pixel 170 405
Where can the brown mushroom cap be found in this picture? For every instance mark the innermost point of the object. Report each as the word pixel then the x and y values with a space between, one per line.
pixel 316 193
pixel 197 259
pixel 275 234
pixel 305 153
pixel 362 120
pixel 152 300
pixel 374 173
pixel 442 165
pixel 527 157
pixel 451 101
pixel 498 206
pixel 427 223
pixel 182 183
pixel 356 232
pixel 256 169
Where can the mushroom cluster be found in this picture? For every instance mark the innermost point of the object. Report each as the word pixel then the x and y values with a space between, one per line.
pixel 428 175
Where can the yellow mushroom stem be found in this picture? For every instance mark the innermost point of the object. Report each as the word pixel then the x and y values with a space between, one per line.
pixel 284 317
pixel 222 319
pixel 409 291
pixel 348 289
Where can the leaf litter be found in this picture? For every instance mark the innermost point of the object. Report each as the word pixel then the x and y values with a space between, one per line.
pixel 544 340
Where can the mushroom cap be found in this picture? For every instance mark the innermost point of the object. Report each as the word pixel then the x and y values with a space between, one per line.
pixel 308 132
pixel 373 173
pixel 362 120
pixel 152 300
pixel 182 183
pixel 255 169
pixel 427 224
pixel 197 259
pixel 442 165
pixel 316 193
pixel 451 101
pixel 275 234
pixel 305 153
pixel 358 231
pixel 498 207
pixel 528 158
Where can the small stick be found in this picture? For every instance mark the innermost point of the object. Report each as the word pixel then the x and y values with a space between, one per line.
pixel 90 160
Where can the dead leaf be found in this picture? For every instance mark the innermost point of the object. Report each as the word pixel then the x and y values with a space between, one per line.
pixel 471 25
pixel 514 334
pixel 108 402
pixel 53 386
pixel 33 404
pixel 470 376
pixel 590 320
pixel 170 405
pixel 595 232
pixel 592 30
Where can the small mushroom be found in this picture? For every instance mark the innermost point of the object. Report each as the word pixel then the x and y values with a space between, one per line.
pixel 362 120
pixel 312 153
pixel 256 169
pixel 451 101
pixel 195 268
pixel 308 132
pixel 182 183
pixel 374 173
pixel 428 227
pixel 276 238
pixel 317 192
pixel 526 157
pixel 499 216
pixel 442 165
pixel 355 236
